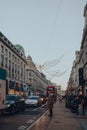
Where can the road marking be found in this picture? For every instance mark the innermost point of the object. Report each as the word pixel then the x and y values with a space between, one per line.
pixel 36 121
pixel 41 107
pixel 22 127
pixel 36 109
pixel 30 121
pixel 33 124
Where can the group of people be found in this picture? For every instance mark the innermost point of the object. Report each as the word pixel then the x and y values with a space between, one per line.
pixel 81 102
pixel 76 103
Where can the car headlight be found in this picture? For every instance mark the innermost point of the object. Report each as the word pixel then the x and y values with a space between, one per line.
pixel 8 105
pixel 42 99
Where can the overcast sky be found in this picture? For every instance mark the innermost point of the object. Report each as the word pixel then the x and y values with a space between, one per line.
pixel 48 30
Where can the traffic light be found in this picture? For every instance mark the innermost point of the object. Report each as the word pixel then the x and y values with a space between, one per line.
pixel 81 77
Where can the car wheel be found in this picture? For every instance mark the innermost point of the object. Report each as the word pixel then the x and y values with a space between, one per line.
pixel 12 109
pixel 23 109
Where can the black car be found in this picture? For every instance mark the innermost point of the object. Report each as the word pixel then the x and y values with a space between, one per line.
pixel 14 103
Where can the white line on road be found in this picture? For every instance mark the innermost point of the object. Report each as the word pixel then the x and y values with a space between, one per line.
pixel 41 107
pixel 33 124
pixel 36 108
pixel 22 127
pixel 35 121
pixel 30 121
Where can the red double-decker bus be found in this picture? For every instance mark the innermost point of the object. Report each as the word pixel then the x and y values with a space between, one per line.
pixel 53 91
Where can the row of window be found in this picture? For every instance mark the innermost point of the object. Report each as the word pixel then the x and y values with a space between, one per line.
pixel 8 54
pixel 15 67
pixel 5 62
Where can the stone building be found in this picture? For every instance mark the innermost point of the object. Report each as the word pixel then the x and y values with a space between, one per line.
pixel 13 59
pixel 35 80
pixel 80 62
pixel 22 75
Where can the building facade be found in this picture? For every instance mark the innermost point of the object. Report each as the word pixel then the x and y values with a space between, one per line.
pixel 36 81
pixel 13 59
pixel 80 62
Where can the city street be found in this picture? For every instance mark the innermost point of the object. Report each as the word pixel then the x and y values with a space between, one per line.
pixel 37 119
pixel 20 120
pixel 63 119
pixel 43 65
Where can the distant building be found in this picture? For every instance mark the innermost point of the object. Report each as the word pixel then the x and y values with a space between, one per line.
pixel 35 80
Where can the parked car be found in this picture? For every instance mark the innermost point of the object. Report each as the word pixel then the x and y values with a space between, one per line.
pixel 14 103
pixel 33 101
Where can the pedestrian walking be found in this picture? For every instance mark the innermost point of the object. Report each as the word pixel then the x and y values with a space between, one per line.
pixel 50 104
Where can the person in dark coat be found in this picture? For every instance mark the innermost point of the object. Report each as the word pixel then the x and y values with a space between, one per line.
pixel 50 104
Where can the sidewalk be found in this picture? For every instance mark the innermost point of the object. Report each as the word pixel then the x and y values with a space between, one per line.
pixel 62 119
